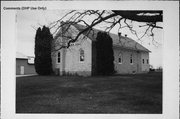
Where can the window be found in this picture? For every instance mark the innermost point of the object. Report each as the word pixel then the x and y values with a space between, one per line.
pixel 58 57
pixel 147 61
pixel 120 59
pixel 131 59
pixel 143 61
pixel 81 55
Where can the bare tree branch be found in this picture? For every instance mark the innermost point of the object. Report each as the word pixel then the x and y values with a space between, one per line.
pixel 134 15
pixel 114 17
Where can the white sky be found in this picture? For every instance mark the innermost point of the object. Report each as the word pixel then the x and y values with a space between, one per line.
pixel 28 21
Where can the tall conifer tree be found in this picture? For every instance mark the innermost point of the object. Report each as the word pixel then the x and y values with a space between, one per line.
pixel 105 55
pixel 43 62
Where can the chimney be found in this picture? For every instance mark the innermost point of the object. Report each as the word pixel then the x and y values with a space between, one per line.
pixel 125 35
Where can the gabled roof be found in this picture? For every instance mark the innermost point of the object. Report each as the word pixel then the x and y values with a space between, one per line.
pixel 122 42
pixel 126 42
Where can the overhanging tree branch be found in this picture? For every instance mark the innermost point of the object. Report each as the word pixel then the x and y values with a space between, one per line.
pixel 112 17
pixel 134 15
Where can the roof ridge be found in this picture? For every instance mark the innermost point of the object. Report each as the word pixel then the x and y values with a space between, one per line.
pixel 124 37
pixel 134 44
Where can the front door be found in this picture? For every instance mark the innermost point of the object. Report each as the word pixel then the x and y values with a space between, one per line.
pixel 22 70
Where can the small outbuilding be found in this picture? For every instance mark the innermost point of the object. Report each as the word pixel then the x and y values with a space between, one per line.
pixel 24 64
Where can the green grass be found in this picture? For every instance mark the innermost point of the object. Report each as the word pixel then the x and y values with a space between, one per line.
pixel 140 93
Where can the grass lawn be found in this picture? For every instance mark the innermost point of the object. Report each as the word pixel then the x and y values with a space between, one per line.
pixel 139 93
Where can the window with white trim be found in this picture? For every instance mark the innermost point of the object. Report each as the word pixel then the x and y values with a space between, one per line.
pixel 131 59
pixel 81 57
pixel 59 57
pixel 120 58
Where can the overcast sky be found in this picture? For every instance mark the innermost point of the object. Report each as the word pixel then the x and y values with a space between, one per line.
pixel 28 21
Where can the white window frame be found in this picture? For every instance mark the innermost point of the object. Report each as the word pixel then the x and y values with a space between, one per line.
pixel 80 50
pixel 120 56
pixel 58 57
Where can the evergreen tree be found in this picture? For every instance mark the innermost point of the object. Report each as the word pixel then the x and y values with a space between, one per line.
pixel 43 62
pixel 37 50
pixel 105 55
